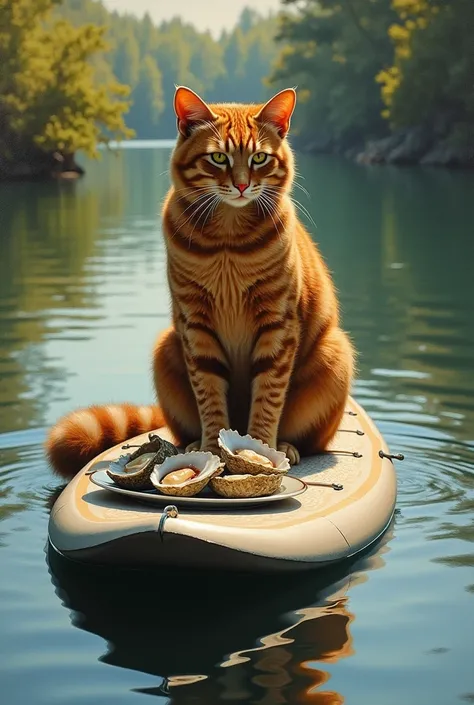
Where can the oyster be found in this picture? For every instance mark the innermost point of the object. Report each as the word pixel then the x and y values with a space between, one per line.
pixel 242 455
pixel 202 465
pixel 132 471
pixel 246 485
pixel 157 445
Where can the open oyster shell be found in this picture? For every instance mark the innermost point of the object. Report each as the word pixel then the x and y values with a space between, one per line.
pixel 230 442
pixel 133 470
pixel 246 485
pixel 207 465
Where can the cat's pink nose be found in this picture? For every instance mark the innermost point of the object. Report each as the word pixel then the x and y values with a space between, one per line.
pixel 242 187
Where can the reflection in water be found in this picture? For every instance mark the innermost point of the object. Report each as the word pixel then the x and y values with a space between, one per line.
pixel 82 297
pixel 51 233
pixel 271 636
pixel 180 627
pixel 55 241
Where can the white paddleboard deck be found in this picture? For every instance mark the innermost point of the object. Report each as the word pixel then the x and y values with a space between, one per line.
pixel 318 526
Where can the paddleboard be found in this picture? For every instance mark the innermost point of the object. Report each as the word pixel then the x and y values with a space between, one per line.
pixel 330 507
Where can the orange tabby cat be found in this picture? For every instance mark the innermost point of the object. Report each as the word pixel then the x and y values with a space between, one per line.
pixel 255 342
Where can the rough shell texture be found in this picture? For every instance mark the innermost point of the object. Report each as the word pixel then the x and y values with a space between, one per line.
pixel 162 449
pixel 208 465
pixel 140 479
pixel 231 441
pixel 246 485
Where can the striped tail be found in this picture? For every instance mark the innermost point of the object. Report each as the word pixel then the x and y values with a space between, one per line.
pixel 78 437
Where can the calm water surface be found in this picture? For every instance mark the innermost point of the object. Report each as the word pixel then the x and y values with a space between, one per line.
pixel 82 297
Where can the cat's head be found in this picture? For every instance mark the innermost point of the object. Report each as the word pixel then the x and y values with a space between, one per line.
pixel 236 153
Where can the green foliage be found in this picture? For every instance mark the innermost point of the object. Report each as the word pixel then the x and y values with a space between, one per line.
pixel 431 77
pixel 153 59
pixel 49 96
pixel 249 53
pixel 334 50
pixel 70 69
pixel 363 67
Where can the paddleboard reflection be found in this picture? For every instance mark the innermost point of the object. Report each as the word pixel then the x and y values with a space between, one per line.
pixel 212 637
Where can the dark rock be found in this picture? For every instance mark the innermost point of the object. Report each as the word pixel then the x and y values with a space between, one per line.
pixel 416 143
pixel 34 165
pixel 444 154
pixel 353 152
pixel 377 151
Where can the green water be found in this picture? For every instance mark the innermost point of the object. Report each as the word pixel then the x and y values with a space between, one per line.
pixel 82 297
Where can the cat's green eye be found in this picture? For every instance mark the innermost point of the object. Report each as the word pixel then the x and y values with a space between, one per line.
pixel 259 158
pixel 219 157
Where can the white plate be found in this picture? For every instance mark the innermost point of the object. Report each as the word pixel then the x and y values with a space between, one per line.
pixel 290 487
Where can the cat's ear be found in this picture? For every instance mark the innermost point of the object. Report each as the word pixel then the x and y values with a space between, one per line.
pixel 278 111
pixel 190 110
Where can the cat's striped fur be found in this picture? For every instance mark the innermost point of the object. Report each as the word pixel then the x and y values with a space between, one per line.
pixel 255 342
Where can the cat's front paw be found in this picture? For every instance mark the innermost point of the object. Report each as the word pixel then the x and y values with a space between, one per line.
pixel 204 447
pixel 290 451
pixel 195 445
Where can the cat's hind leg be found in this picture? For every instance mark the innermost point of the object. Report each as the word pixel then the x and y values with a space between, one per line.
pixel 317 396
pixel 173 388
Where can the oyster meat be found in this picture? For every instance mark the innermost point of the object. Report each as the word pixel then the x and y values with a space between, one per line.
pixel 244 455
pixel 177 477
pixel 254 457
pixel 186 474
pixel 236 486
pixel 132 471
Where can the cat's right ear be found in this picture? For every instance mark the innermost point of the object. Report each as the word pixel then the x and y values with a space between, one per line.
pixel 190 110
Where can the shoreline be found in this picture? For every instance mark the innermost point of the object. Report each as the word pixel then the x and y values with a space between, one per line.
pixel 405 148
pixel 408 147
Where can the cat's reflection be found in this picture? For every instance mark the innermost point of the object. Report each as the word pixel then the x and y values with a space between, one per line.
pixel 288 668
pixel 213 637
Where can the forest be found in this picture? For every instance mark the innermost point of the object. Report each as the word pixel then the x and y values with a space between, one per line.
pixel 383 80
pixel 379 81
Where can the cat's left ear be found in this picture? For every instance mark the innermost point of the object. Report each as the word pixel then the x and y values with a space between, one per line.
pixel 278 111
pixel 190 110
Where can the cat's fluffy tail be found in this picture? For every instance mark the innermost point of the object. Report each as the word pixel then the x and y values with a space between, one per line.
pixel 83 434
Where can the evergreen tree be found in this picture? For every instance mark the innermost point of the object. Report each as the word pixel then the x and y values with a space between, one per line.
pixel 126 59
pixel 147 100
pixel 153 59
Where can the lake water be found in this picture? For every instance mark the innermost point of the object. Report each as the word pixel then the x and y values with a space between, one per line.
pixel 83 296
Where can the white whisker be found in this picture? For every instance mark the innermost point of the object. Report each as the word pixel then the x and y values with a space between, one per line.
pixel 276 210
pixel 214 129
pixel 205 200
pixel 266 206
pixel 302 188
pixel 210 211
pixel 196 201
pixel 303 209
pixel 204 210
pixel 206 189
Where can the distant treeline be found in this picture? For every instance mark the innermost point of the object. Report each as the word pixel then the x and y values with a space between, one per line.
pixel 153 59
pixel 380 80
pixel 73 75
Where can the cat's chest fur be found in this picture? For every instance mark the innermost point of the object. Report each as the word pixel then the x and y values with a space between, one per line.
pixel 227 281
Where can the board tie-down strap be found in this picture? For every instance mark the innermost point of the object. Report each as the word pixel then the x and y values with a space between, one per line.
pixel 391 456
